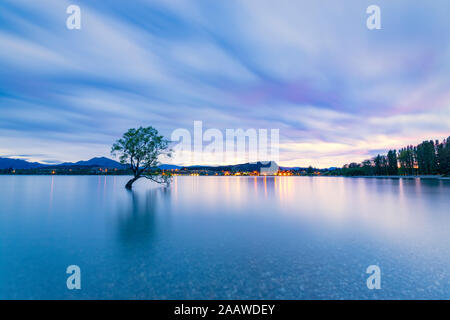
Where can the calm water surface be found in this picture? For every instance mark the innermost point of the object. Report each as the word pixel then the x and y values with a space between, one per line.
pixel 224 237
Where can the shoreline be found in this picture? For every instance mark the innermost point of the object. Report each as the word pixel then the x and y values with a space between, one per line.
pixel 435 177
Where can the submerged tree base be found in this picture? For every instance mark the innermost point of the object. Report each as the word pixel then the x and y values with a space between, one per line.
pixel 161 179
pixel 129 184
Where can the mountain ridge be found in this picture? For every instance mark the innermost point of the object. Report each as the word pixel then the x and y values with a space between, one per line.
pixel 104 162
pixel 6 163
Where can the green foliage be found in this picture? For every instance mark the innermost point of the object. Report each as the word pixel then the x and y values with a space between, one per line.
pixel 141 149
pixel 380 163
pixel 443 157
pixel 427 158
pixel 392 163
pixel 406 157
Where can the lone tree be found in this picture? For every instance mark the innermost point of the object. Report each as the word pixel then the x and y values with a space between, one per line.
pixel 140 149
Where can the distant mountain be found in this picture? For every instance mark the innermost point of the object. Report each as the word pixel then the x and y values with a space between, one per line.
pixel 244 167
pixel 94 162
pixel 103 162
pixel 168 167
pixel 292 168
pixel 6 163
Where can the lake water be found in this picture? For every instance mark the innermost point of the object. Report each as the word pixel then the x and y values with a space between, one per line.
pixel 224 237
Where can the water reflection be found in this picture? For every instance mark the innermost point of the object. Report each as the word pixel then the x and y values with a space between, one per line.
pixel 51 193
pixel 265 186
pixel 224 237
pixel 137 221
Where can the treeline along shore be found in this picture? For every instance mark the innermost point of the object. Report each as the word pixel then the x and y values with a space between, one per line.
pixel 428 158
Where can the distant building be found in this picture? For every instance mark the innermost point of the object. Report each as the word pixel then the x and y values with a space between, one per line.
pixel 269 168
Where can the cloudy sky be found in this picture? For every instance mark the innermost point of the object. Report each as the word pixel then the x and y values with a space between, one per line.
pixel 337 91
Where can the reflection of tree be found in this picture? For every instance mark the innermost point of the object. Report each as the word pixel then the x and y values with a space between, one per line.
pixel 138 221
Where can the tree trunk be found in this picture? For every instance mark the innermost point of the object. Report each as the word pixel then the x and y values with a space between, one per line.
pixel 130 183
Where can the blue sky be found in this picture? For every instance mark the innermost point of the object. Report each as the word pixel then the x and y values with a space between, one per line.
pixel 337 91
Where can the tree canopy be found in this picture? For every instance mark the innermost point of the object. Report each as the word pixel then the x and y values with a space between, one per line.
pixel 428 158
pixel 141 149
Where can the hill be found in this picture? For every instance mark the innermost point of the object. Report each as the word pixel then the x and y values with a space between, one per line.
pixel 102 162
pixel 6 163
pixel 244 167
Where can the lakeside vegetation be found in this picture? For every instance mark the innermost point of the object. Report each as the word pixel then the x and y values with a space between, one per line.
pixel 139 149
pixel 428 158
